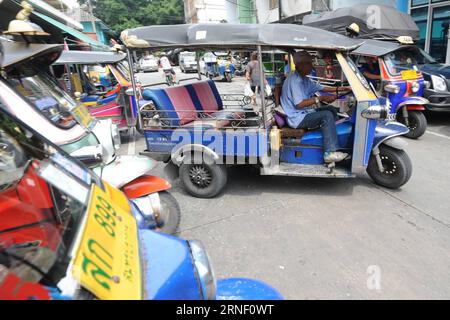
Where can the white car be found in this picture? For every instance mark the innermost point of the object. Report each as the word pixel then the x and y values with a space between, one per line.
pixel 148 63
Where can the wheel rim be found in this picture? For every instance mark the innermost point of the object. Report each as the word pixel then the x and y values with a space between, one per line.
pixel 389 165
pixel 200 176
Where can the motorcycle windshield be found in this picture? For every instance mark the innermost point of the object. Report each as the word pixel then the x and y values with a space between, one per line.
pixel 401 60
pixel 51 100
pixel 43 196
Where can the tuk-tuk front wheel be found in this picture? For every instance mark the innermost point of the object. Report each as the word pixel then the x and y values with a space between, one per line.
pixel 203 180
pixel 417 123
pixel 397 168
pixel 170 215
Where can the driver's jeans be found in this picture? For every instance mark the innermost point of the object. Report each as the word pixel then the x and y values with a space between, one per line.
pixel 323 117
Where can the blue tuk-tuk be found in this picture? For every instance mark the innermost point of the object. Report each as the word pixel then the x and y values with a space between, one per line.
pixel 401 81
pixel 202 132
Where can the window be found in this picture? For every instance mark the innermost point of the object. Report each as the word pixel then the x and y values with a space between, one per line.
pixel 439 33
pixel 273 4
pixel 415 3
pixel 420 17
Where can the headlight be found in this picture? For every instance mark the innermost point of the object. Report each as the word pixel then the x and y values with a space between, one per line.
pixel 115 136
pixel 392 88
pixel 204 270
pixel 438 83
pixel 415 87
pixel 375 112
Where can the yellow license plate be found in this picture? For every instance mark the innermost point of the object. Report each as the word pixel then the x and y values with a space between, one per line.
pixel 82 115
pixel 106 262
pixel 409 74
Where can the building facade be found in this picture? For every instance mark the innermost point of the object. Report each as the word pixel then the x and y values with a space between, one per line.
pixel 433 17
pixel 268 11
pixel 206 11
pixel 92 26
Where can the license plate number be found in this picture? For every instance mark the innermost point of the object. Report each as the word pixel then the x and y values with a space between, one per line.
pixel 107 259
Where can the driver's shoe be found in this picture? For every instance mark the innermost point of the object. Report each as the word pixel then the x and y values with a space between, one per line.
pixel 335 156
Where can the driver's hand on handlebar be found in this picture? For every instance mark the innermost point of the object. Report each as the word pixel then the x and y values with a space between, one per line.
pixel 346 88
pixel 327 99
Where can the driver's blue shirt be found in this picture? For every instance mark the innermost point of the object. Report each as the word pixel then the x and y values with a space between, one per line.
pixel 295 90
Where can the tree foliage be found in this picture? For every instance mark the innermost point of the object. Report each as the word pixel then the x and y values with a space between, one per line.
pixel 124 14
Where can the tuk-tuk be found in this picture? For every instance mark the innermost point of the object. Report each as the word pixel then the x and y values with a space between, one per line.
pixel 388 36
pixel 113 102
pixel 195 128
pixel 401 81
pixel 66 234
pixel 29 91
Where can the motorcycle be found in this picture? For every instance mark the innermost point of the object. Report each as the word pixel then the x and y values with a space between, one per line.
pixel 169 78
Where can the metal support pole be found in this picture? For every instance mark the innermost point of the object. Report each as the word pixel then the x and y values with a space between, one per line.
pixel 280 11
pixel 135 92
pixel 197 54
pixel 261 86
pixel 447 57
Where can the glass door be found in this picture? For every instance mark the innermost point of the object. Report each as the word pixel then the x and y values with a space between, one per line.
pixel 439 32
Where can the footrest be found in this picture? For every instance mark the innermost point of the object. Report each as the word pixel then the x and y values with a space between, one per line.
pixel 303 170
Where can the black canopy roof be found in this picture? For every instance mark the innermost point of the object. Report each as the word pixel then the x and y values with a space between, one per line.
pixel 377 48
pixel 375 21
pixel 15 53
pixel 236 36
pixel 90 57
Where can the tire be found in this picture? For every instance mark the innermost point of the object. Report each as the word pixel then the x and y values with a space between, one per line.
pixel 397 164
pixel 170 217
pixel 216 179
pixel 417 123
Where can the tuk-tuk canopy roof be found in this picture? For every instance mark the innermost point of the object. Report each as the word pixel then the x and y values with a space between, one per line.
pixel 236 36
pixel 90 57
pixel 15 53
pixel 374 21
pixel 377 48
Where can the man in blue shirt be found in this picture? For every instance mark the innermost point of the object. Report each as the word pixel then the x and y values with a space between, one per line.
pixel 371 70
pixel 302 107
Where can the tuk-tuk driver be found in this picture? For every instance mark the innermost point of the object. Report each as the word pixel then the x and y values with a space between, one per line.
pixel 302 107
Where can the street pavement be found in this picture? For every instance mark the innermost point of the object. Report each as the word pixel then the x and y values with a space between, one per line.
pixel 329 238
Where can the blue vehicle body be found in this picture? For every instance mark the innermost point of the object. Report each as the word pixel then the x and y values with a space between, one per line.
pixel 170 273
pixel 255 142
pixel 403 97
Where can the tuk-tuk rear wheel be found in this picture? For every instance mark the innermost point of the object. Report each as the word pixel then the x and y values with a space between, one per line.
pixel 203 180
pixel 397 168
